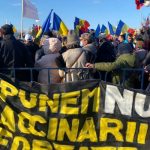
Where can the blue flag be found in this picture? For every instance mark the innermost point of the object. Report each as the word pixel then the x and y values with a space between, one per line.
pixel 97 31
pixel 111 29
pixel 104 30
pixel 45 26
pixel 119 28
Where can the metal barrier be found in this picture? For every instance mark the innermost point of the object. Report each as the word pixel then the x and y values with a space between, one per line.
pixel 31 72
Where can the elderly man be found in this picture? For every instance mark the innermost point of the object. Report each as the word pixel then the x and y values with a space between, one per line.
pixel 87 43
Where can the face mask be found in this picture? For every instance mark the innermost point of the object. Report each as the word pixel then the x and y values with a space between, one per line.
pixel 81 43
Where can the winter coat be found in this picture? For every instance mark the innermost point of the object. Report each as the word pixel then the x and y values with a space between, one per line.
pixel 14 54
pixel 106 52
pixel 39 53
pixel 91 52
pixel 73 58
pixel 140 56
pixel 48 61
pixel 32 47
pixel 123 61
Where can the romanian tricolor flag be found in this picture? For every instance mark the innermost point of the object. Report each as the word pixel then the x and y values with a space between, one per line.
pixel 104 30
pixel 139 3
pixel 81 26
pixel 112 29
pixel 58 25
pixel 45 26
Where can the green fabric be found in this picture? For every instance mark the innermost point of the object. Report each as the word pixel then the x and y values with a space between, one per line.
pixel 123 61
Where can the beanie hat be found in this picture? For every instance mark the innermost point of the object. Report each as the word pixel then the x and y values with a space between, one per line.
pixel 52 45
pixel 28 37
pixel 72 38
pixel 124 48
pixel 7 29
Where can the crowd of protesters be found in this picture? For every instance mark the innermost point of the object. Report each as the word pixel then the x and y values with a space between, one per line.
pixel 98 55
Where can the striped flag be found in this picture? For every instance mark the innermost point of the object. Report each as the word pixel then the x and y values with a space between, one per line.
pixel 81 26
pixel 45 26
pixel 58 25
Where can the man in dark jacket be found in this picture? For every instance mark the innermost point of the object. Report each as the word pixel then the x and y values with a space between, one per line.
pixel 105 53
pixel 31 46
pixel 13 54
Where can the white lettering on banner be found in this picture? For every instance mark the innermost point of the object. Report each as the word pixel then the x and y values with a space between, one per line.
pixel 139 105
pixel 114 96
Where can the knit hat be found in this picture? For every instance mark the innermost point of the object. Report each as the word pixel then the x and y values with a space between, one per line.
pixel 72 38
pixel 7 29
pixel 124 48
pixel 28 37
pixel 52 45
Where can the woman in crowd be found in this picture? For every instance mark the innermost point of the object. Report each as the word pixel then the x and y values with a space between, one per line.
pixel 51 48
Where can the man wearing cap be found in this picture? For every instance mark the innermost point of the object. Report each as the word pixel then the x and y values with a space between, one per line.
pixel 87 43
pixel 31 46
pixel 125 60
pixel 13 53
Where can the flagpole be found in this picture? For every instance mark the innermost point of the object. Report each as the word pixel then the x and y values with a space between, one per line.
pixel 22 21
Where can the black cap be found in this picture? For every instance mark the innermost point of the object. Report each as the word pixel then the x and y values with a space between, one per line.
pixel 7 29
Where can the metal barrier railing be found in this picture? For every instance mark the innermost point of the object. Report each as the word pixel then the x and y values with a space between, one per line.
pixel 139 71
pixel 31 72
